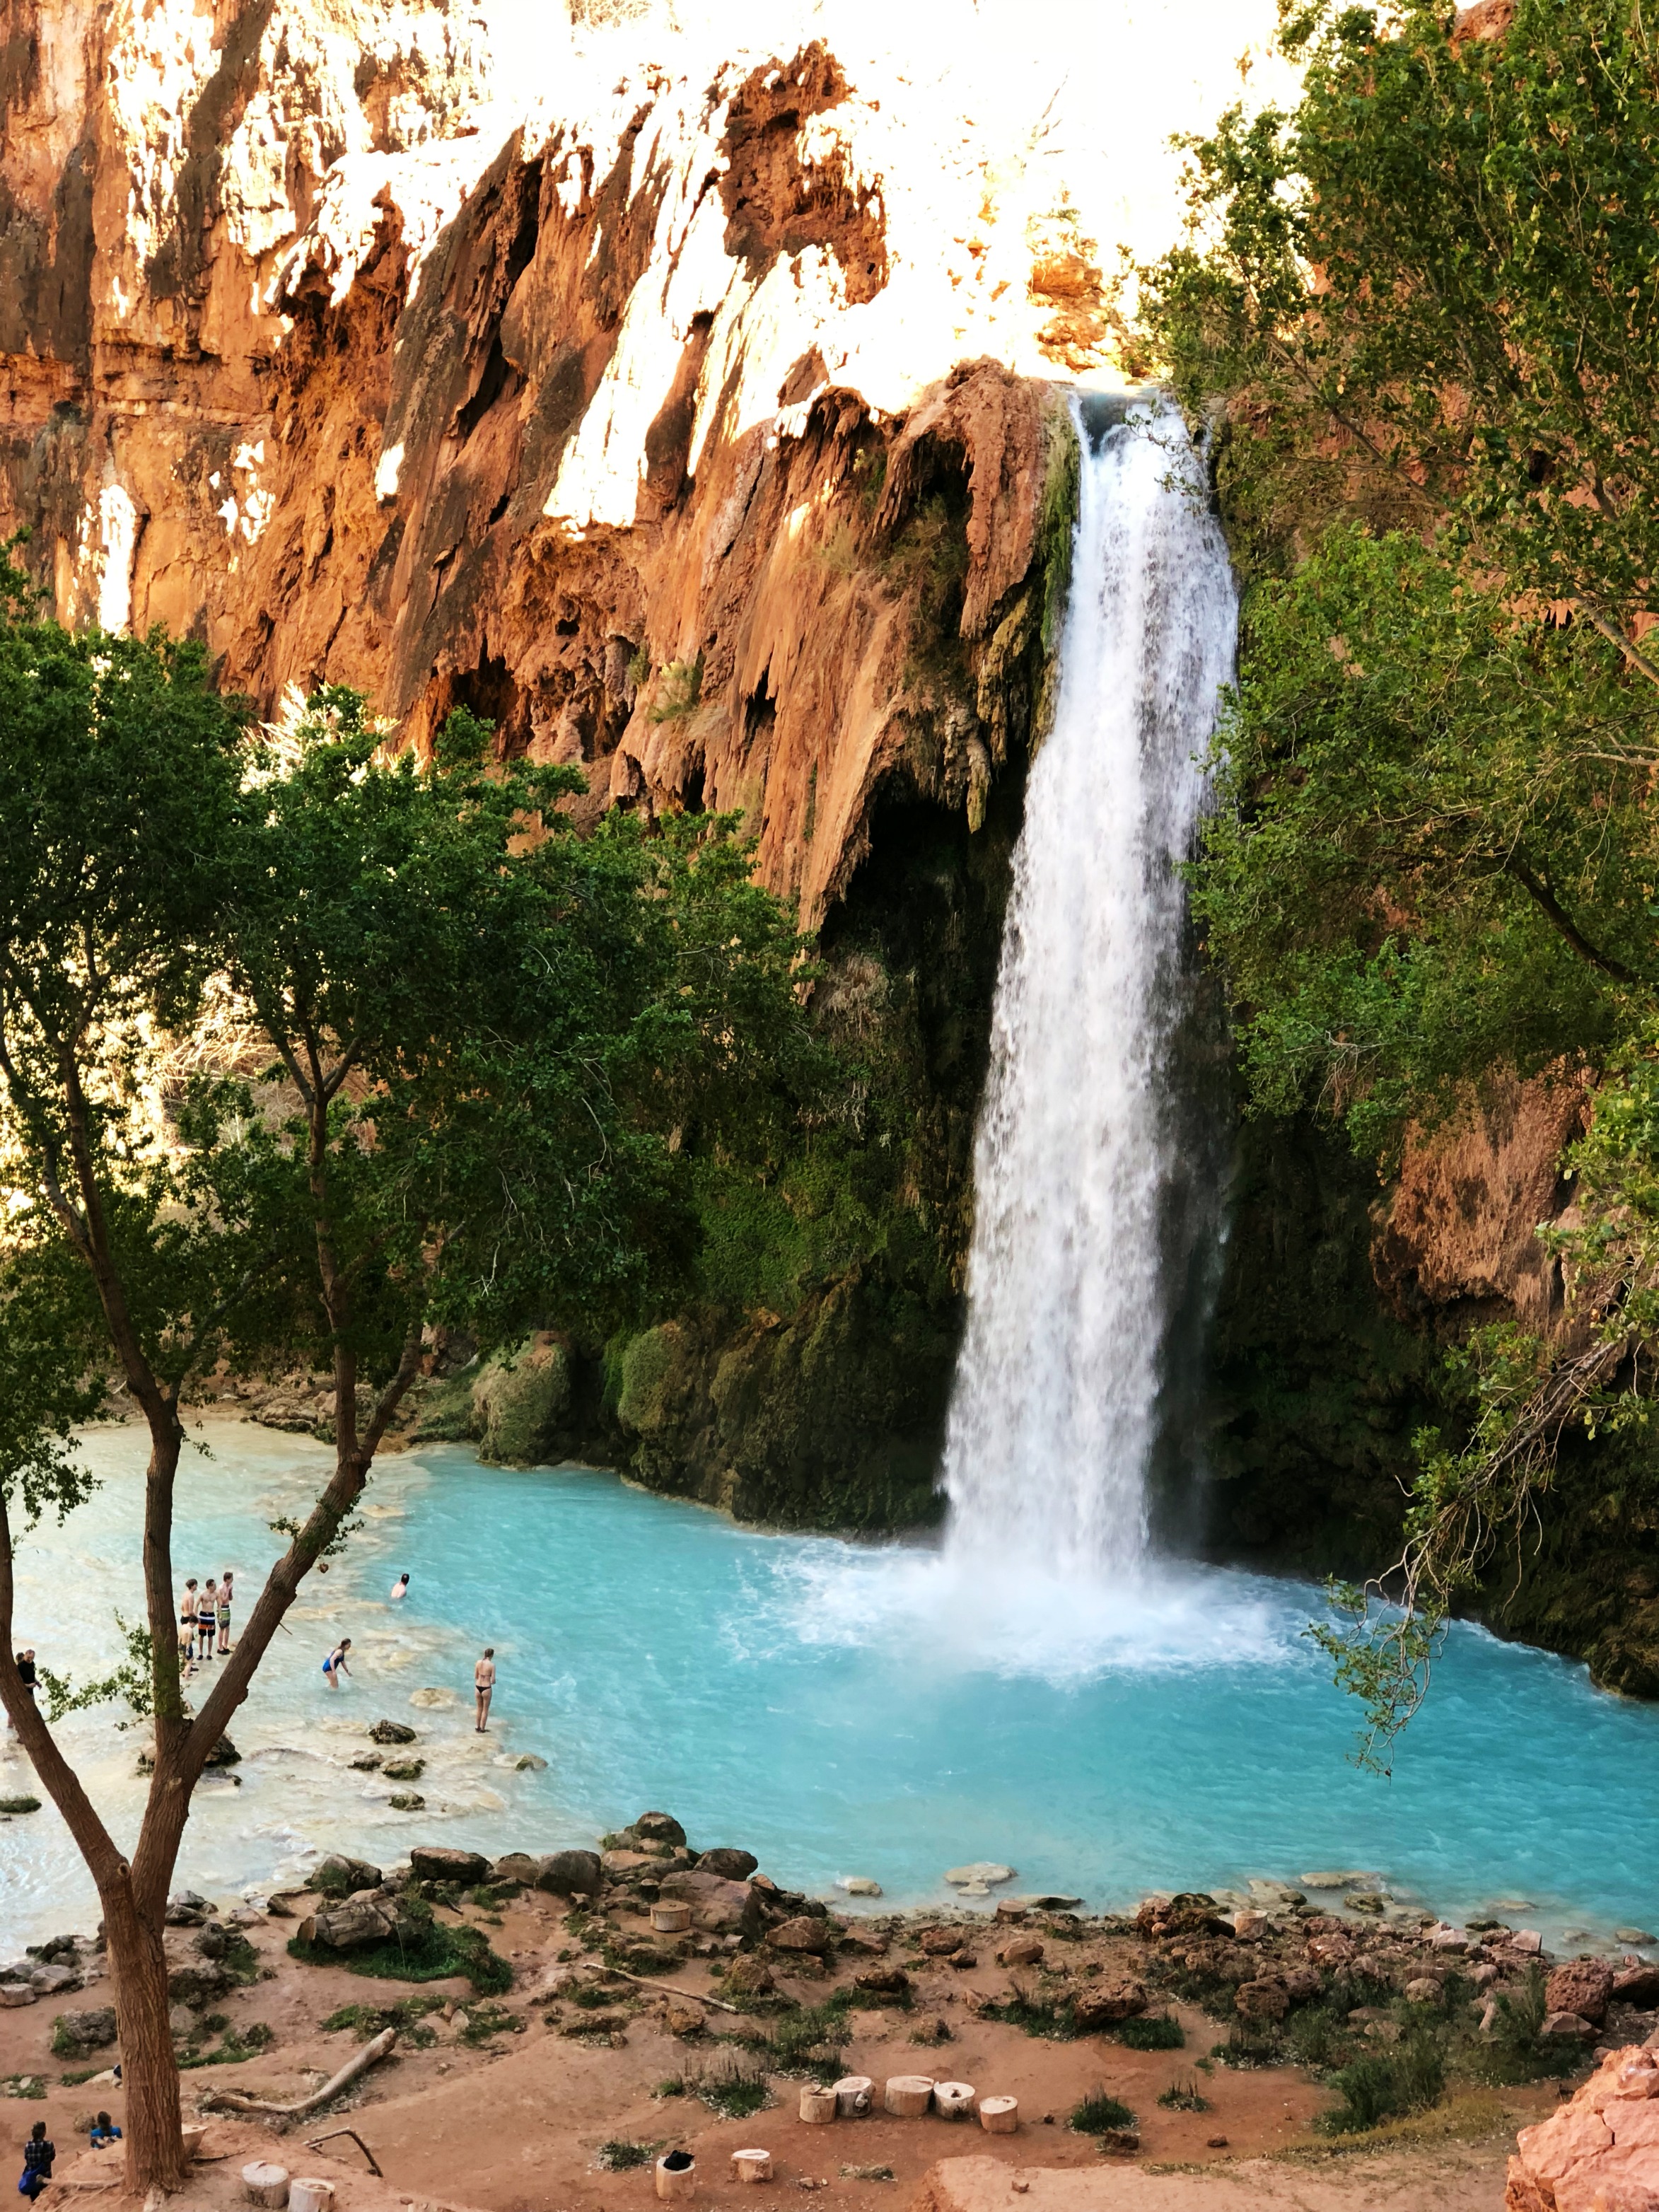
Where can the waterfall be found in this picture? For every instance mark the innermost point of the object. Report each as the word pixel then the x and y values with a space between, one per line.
pixel 1083 1145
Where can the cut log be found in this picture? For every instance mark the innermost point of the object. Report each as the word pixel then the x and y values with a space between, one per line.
pixel 264 2183
pixel 232 2101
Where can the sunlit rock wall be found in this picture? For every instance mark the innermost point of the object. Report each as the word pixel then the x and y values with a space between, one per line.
pixel 587 368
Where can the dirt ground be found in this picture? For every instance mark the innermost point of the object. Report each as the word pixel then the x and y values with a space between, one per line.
pixel 516 2126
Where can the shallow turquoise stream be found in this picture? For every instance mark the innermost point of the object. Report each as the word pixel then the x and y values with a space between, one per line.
pixel 839 1710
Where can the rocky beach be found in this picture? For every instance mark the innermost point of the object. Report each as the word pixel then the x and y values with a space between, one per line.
pixel 542 2028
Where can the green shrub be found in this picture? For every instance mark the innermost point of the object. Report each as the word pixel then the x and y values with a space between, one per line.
pixel 1037 2016
pixel 1317 2036
pixel 430 1952
pixel 680 690
pixel 620 2156
pixel 675 2086
pixel 23 2085
pixel 238 2044
pixel 1248 2044
pixel 367 2021
pixel 485 2021
pixel 1184 2096
pixel 734 2091
pixel 806 2041
pixel 1159 2031
pixel 20 1804
pixel 1097 2113
pixel 1378 2087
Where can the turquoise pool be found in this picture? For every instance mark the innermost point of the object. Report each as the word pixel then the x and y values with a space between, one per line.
pixel 841 1710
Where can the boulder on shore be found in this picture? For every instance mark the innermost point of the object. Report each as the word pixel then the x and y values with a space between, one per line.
pixel 75 2033
pixel 340 1875
pixel 391 1732
pixel 438 1862
pixel 570 1873
pixel 372 1917
pixel 801 1934
pixel 1582 1986
pixel 1106 2003
pixel 734 1865
pixel 718 1907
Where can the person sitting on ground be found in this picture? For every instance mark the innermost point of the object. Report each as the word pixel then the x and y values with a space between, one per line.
pixel 38 2156
pixel 104 2130
pixel 483 1682
pixel 335 1665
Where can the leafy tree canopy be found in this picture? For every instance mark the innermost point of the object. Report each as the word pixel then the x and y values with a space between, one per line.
pixel 1418 313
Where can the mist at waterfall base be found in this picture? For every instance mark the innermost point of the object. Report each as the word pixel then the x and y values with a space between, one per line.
pixel 839 1710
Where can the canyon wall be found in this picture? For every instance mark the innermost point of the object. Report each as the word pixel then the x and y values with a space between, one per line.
pixel 693 408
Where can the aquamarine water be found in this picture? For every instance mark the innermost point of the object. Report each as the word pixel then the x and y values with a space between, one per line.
pixel 840 1709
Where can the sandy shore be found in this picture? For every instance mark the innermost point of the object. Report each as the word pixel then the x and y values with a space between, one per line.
pixel 517 2125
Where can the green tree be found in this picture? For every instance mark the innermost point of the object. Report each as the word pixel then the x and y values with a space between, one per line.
pixel 1417 313
pixel 441 1052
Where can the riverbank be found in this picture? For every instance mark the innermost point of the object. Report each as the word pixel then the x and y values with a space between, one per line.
pixel 565 2038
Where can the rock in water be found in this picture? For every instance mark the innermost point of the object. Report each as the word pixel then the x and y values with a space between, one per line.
pixel 858 1884
pixel 391 1732
pixel 434 1700
pixel 983 1874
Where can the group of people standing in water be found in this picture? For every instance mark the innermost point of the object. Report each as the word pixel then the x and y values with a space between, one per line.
pixel 338 1663
pixel 204 1616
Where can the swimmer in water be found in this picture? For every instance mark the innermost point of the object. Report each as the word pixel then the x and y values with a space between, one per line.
pixel 335 1665
pixel 400 1588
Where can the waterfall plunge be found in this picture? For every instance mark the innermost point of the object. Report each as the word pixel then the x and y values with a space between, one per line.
pixel 1082 1141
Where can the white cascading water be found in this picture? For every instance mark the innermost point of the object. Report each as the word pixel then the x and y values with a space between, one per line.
pixel 1054 1416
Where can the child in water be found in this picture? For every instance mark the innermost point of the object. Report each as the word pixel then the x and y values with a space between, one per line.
pixel 335 1665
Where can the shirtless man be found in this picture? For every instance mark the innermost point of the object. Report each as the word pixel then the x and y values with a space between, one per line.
pixel 224 1610
pixel 483 1682
pixel 187 1624
pixel 207 1619
pixel 400 1588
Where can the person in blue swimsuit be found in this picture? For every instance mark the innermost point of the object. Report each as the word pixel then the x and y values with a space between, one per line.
pixel 335 1665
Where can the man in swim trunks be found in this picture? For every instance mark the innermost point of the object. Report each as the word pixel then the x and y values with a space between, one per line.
pixel 335 1665
pixel 187 1624
pixel 224 1610
pixel 483 1684
pixel 400 1588
pixel 207 1619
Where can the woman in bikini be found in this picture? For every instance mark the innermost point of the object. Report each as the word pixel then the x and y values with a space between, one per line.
pixel 483 1684
pixel 335 1665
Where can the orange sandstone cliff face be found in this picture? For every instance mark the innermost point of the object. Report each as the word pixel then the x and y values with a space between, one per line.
pixel 697 415
pixel 316 350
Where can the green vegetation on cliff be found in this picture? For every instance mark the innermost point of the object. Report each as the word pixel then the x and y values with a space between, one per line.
pixel 1418 311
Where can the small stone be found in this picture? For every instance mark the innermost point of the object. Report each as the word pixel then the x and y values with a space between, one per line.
pixel 391 1732
pixel 16 1993
pixel 1215 2142
pixel 185 1909
pixel 403 1770
pixel 368 1762
pixel 1423 1988
pixel 684 2019
pixel 1333 1880
pixel 1024 1951
pixel 407 1801
pixel 435 1701
pixel 858 1884
pixel 983 1875
pixel 939 1943
pixel 1367 1900
pixel 1567 2027
pixel 1250 1927
pixel 1527 1941
pixel 883 1981
pixel 1637 1985
pixel 1632 1935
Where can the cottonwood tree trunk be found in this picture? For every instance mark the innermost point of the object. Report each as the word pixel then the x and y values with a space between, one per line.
pixel 149 2068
